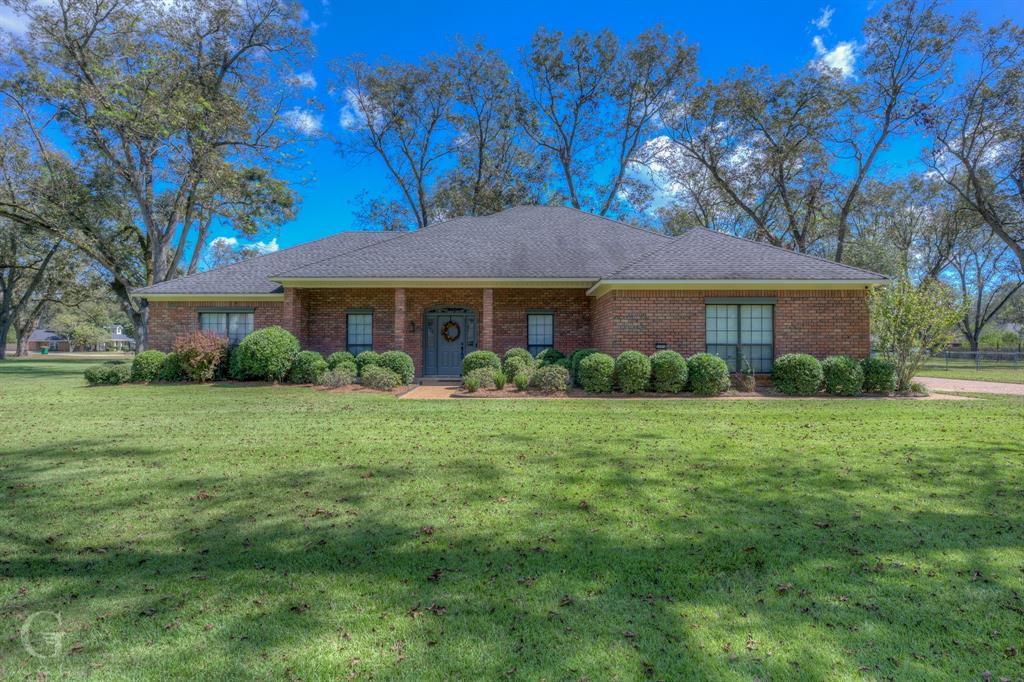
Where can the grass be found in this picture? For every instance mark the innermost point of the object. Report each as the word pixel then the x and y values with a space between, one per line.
pixel 279 532
pixel 966 369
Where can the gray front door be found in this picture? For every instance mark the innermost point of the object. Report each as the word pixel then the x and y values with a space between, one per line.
pixel 448 335
pixel 450 353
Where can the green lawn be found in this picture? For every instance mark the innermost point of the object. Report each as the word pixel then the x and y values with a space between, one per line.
pixel 257 532
pixel 966 369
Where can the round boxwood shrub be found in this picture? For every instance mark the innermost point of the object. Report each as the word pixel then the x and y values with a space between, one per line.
pixel 797 374
pixel 516 360
pixel 483 376
pixel 478 359
pixel 668 372
pixel 380 378
pixel 109 373
pixel 575 358
pixel 842 375
pixel 632 371
pixel 146 365
pixel 266 354
pixel 596 373
pixel 171 369
pixel 550 379
pixel 335 359
pixel 365 359
pixel 400 363
pixel 522 381
pixel 708 374
pixel 549 356
pixel 308 368
pixel 879 375
pixel 342 375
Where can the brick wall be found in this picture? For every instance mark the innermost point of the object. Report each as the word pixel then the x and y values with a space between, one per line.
pixel 821 323
pixel 170 319
pixel 570 306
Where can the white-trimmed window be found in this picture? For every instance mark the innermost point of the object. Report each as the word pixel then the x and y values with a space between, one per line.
pixel 540 332
pixel 232 325
pixel 360 331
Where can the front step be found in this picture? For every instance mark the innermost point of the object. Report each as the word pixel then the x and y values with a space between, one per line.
pixel 440 381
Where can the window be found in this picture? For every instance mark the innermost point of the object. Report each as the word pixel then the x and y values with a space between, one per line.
pixel 360 332
pixel 540 332
pixel 234 326
pixel 732 329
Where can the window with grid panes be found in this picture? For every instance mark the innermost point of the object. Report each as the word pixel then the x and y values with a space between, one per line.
pixel 360 332
pixel 234 326
pixel 540 332
pixel 732 329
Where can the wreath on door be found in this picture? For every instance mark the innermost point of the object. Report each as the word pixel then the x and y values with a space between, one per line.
pixel 450 331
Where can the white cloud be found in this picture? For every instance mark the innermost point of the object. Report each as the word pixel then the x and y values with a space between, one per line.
pixel 303 79
pixel 353 111
pixel 224 241
pixel 14 23
pixel 824 19
pixel 304 121
pixel 266 247
pixel 233 243
pixel 842 57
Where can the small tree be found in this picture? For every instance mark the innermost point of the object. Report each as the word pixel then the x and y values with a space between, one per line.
pixel 911 321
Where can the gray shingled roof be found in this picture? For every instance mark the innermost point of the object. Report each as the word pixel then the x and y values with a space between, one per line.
pixel 525 242
pixel 253 276
pixel 543 242
pixel 701 254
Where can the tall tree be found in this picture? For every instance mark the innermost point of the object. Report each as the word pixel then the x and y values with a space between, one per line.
pixel 178 106
pixel 985 274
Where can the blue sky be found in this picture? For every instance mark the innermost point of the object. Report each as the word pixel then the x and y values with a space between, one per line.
pixel 778 34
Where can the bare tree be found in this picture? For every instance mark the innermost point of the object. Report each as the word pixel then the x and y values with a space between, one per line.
pixel 987 280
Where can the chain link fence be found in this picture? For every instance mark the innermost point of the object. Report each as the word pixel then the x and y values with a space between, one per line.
pixel 976 360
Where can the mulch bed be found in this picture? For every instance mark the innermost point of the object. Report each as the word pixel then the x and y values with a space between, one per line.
pixel 760 394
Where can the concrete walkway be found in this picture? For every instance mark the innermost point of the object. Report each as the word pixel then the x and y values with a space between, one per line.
pixel 429 393
pixel 969 386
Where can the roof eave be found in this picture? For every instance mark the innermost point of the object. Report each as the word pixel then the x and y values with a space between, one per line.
pixel 605 285
pixel 430 282
pixel 207 297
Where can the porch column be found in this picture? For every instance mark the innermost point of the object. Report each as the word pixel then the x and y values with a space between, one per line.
pixel 487 321
pixel 400 319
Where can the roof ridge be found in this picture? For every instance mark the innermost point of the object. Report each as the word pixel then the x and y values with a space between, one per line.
pixel 648 230
pixel 780 248
pixel 398 235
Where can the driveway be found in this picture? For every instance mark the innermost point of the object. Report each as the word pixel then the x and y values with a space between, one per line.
pixel 968 386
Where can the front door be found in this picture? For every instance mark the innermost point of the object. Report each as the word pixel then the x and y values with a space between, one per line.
pixel 448 335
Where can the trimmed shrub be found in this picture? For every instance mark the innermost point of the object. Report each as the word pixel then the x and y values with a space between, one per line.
pixel 342 375
pixel 879 375
pixel 797 374
pixel 400 363
pixel 516 360
pixel 522 381
pixel 632 371
pixel 109 373
pixel 575 358
pixel 365 359
pixel 478 359
pixel 170 369
pixel 380 378
pixel 708 374
pixel 842 375
pixel 549 356
pixel 550 379
pixel 472 383
pixel 596 373
pixel 668 372
pixel 308 368
pixel 200 354
pixel 483 376
pixel 499 380
pixel 335 359
pixel 146 365
pixel 265 354
pixel 564 362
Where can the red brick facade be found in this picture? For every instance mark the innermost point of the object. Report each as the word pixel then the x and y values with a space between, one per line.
pixel 817 322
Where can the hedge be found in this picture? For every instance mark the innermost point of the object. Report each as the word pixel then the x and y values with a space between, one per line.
pixel 265 354
pixel 335 359
pixel 708 374
pixel 478 359
pixel 797 374
pixel 342 375
pixel 109 373
pixel 596 373
pixel 549 356
pixel 380 378
pixel 308 368
pixel 400 363
pixel 365 359
pixel 170 369
pixel 483 377
pixel 575 358
pixel 668 372
pixel 516 360
pixel 200 354
pixel 632 371
pixel 879 375
pixel 842 375
pixel 550 379
pixel 146 365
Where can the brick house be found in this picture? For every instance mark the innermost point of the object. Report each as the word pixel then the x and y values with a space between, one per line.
pixel 534 277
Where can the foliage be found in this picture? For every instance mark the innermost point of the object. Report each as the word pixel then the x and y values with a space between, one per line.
pixel 842 375
pixel 342 375
pixel 109 373
pixel 522 381
pixel 550 379
pixel 797 374
pixel 266 354
pixel 632 371
pixel 517 360
pixel 400 363
pixel 472 382
pixel 500 380
pixel 668 372
pixel 707 374
pixel 596 373
pixel 910 321
pixel 879 375
pixel 483 377
pixel 171 369
pixel 200 354
pixel 308 368
pixel 146 365
pixel 549 356
pixel 478 359
pixel 380 378
pixel 575 358
pixel 366 359
pixel 335 359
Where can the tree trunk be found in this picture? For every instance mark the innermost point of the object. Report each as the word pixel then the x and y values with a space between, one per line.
pixel 21 351
pixel 5 321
